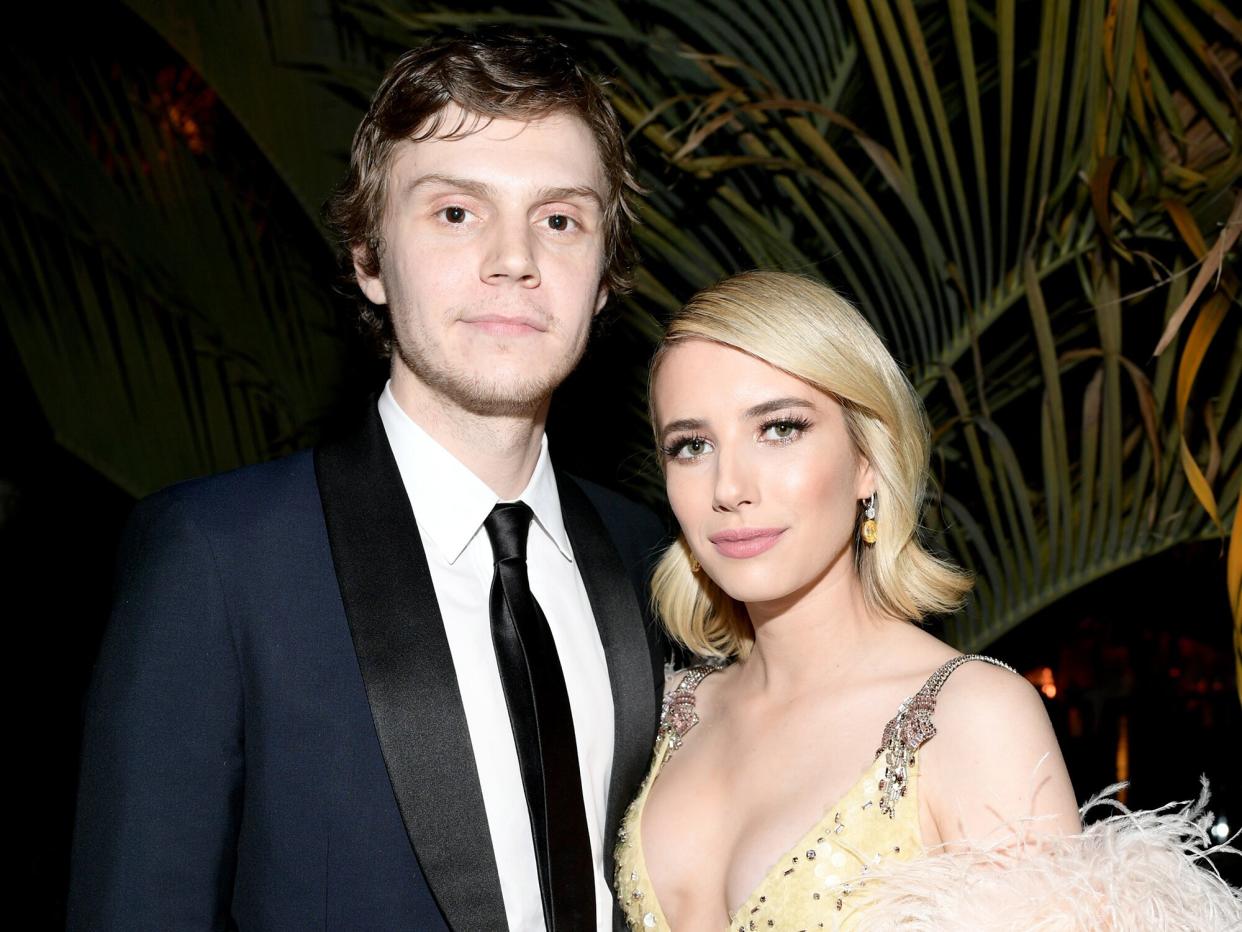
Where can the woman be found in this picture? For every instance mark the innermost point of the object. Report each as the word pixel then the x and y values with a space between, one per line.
pixel 795 454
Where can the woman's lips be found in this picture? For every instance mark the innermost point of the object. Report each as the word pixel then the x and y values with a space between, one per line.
pixel 746 542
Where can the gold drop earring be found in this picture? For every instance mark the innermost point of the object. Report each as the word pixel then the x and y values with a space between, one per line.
pixel 695 566
pixel 870 530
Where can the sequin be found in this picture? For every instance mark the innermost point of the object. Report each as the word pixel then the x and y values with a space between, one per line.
pixel 837 860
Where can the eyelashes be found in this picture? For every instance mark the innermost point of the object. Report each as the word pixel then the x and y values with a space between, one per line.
pixel 675 447
pixel 794 426
pixel 780 431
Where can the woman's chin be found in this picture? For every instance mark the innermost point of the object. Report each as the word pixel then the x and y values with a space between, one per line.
pixel 755 587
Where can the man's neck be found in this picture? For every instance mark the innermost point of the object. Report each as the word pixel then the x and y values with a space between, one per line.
pixel 501 449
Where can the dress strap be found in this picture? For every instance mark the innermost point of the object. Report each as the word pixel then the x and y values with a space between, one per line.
pixel 677 714
pixel 912 727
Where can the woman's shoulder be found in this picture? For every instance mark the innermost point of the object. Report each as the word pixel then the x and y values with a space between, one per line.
pixel 957 685
pixel 977 695
pixel 995 763
pixel 687 692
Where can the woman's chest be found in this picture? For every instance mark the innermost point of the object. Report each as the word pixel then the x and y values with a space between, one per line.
pixel 725 813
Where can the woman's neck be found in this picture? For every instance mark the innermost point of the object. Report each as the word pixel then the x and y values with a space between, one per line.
pixel 824 632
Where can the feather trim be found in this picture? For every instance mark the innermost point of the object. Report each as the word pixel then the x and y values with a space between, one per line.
pixel 1134 870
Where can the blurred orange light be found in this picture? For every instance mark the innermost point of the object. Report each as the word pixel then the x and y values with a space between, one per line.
pixel 1043 680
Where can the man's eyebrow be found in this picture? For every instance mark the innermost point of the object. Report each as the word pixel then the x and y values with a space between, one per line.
pixel 777 404
pixel 576 193
pixel 467 185
pixel 686 423
pixel 483 190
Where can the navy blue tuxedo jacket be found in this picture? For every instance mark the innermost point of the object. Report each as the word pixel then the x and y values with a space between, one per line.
pixel 275 738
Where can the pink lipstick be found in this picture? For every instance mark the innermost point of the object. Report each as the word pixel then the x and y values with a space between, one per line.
pixel 740 543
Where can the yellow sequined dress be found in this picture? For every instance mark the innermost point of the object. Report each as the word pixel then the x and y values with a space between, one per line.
pixel 810 886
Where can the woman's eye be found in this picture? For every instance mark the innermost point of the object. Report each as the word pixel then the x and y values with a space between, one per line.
pixel 559 222
pixel 690 449
pixel 781 430
pixel 454 214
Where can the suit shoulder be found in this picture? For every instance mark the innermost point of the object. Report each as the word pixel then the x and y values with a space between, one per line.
pixel 281 486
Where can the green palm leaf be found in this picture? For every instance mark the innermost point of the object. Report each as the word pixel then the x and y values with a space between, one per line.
pixel 1010 192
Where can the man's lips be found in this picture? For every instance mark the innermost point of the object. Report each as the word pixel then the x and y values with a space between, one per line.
pixel 507 324
pixel 740 543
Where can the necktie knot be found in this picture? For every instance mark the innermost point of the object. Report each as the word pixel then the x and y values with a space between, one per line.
pixel 507 528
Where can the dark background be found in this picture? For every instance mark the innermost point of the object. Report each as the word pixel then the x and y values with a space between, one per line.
pixel 1131 647
pixel 1141 659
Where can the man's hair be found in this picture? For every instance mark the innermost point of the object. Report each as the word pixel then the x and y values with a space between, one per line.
pixel 488 76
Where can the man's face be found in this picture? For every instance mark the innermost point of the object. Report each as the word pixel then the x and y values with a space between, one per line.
pixel 492 260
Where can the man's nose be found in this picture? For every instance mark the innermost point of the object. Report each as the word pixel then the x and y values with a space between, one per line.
pixel 510 255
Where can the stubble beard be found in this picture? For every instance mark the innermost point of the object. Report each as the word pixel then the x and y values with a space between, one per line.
pixel 475 393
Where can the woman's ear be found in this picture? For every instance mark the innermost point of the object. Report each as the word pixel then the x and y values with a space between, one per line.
pixel 866 484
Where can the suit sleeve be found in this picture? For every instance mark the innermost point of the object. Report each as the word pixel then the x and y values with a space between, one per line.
pixel 159 797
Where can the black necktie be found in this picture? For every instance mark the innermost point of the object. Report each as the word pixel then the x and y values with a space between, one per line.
pixel 543 728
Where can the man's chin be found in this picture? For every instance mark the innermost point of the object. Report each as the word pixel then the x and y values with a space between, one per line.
pixel 499 397
pixel 496 385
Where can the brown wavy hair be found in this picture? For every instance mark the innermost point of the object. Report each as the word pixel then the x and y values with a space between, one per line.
pixel 488 75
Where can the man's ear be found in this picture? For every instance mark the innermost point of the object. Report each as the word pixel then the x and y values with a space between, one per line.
pixel 601 298
pixel 372 285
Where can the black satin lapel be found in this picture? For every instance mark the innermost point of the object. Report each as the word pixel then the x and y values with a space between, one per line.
pixel 408 673
pixel 621 631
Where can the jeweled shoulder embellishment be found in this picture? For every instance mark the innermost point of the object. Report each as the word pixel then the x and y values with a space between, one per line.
pixel 677 714
pixel 912 727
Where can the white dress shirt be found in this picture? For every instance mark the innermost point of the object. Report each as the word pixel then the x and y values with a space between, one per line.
pixel 450 505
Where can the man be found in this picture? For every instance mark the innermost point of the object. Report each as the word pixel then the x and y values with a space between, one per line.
pixel 403 682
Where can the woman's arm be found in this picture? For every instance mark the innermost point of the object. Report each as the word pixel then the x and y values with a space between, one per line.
pixel 994 770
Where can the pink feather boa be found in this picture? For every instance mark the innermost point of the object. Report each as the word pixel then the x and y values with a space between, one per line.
pixel 1135 870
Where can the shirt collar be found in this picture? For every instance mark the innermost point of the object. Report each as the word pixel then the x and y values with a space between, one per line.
pixel 449 501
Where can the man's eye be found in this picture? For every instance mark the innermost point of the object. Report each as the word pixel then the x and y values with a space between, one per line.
pixel 454 214
pixel 560 222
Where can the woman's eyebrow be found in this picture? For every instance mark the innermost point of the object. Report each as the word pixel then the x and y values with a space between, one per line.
pixel 685 423
pixel 777 404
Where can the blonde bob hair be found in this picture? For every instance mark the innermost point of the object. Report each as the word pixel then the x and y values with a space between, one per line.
pixel 808 330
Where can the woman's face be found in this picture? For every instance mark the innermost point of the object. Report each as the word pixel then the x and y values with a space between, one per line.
pixel 761 472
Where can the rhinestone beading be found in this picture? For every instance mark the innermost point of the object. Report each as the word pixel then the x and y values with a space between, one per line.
pixel 910 728
pixel 677 714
